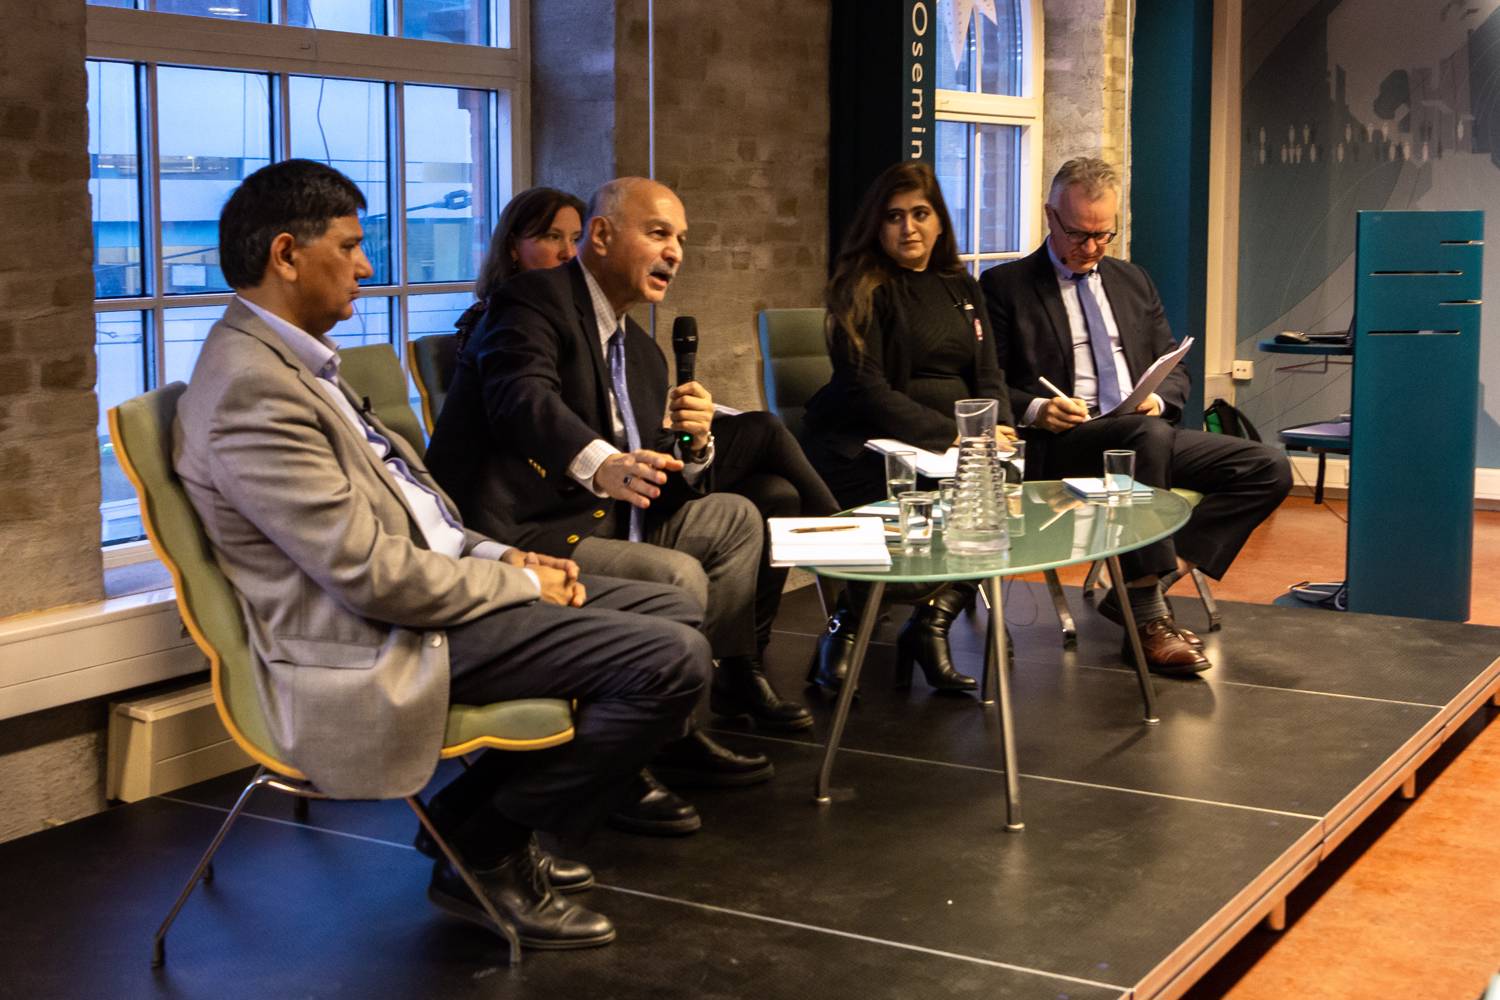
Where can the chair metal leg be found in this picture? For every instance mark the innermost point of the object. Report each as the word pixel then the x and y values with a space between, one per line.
pixel 502 925
pixel 1206 595
pixel 1092 580
pixel 1322 471
pixel 846 693
pixel 1148 691
pixel 1064 614
pixel 205 866
pixel 299 808
pixel 996 673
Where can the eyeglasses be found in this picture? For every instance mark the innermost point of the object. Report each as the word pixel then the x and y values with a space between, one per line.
pixel 1080 236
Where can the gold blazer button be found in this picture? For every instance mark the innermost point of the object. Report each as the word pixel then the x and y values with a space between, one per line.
pixel 598 513
pixel 572 539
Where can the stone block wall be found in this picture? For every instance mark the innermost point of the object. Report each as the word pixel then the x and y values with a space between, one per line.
pixel 49 455
pixel 742 136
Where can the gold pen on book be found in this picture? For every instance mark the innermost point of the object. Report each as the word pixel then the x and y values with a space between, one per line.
pixel 825 527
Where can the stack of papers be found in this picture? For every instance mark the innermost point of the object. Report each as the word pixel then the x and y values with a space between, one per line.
pixel 1092 488
pixel 828 541
pixel 888 510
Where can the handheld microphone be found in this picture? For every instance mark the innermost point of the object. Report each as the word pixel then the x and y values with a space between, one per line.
pixel 685 350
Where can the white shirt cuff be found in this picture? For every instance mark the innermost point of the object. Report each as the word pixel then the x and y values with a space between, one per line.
pixel 1161 404
pixel 587 462
pixel 1034 410
pixel 496 551
pixel 692 470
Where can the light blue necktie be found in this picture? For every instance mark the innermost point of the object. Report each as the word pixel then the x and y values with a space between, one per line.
pixel 1099 346
pixel 627 417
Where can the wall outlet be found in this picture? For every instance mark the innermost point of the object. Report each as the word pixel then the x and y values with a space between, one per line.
pixel 1243 371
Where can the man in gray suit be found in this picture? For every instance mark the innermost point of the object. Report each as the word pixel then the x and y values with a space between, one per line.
pixel 370 607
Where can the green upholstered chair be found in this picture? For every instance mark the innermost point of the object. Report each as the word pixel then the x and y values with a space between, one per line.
pixel 794 355
pixel 795 358
pixel 376 374
pixel 433 360
pixel 142 432
pixel 1205 592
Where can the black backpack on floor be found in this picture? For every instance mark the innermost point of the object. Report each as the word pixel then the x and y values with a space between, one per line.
pixel 1223 418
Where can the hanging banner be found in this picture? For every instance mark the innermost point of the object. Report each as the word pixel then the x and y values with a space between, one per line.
pixel 917 68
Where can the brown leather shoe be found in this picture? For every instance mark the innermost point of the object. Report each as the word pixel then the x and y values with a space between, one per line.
pixel 1109 607
pixel 1167 652
pixel 1190 637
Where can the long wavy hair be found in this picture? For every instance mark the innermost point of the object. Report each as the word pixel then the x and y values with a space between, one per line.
pixel 527 215
pixel 863 266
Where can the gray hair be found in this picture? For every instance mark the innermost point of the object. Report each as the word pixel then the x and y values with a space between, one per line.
pixel 1092 174
pixel 606 201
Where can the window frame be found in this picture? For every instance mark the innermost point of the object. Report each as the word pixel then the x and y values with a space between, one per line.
pixel 149 40
pixel 1024 111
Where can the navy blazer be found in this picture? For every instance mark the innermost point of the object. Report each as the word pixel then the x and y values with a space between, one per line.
pixel 531 389
pixel 1033 340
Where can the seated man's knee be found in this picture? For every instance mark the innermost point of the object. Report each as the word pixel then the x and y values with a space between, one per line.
pixel 686 661
pixel 686 574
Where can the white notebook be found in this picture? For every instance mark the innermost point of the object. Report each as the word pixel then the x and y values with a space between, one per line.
pixel 1092 487
pixel 828 541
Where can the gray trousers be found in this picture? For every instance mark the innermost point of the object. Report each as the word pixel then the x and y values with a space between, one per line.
pixel 710 548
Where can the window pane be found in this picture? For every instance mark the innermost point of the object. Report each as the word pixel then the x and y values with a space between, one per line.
pixel 953 176
pixel 954 74
pixel 343 123
pixel 365 17
pixel 215 129
pixel 447 191
pixel 114 178
pixel 464 21
pixel 1000 49
pixel 429 314
pixel 230 10
pixel 183 336
pixel 120 349
pixel 1000 187
pixel 370 324
pixel 127 4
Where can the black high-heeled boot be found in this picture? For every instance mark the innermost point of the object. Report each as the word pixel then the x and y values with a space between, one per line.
pixel 830 664
pixel 924 642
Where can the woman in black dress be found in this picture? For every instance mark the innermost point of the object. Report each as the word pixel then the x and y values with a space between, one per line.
pixel 909 336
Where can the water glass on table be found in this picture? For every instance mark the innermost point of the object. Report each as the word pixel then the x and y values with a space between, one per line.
pixel 916 518
pixel 900 473
pixel 1119 475
pixel 1014 466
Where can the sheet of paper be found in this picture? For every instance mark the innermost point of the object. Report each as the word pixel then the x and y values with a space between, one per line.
pixel 828 541
pixel 1151 378
pixel 934 465
pixel 1092 487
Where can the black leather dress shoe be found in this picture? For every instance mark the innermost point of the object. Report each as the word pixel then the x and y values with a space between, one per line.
pixel 697 761
pixel 740 687
pixel 1109 607
pixel 519 890
pixel 654 811
pixel 565 875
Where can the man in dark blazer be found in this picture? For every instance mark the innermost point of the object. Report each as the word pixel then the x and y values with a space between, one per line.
pixel 562 428
pixel 370 607
pixel 1068 313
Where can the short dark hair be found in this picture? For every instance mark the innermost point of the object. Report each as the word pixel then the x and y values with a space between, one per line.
pixel 527 215
pixel 300 197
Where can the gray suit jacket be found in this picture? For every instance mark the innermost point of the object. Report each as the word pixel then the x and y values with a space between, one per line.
pixel 344 602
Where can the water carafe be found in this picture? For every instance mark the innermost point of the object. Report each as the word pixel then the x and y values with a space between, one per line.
pixel 977 522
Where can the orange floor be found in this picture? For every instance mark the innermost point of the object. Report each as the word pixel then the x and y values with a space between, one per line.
pixel 1411 907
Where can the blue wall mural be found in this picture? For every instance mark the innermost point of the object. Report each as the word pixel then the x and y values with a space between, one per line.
pixel 1351 105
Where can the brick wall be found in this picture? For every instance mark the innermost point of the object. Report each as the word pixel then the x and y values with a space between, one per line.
pixel 49 457
pixel 742 136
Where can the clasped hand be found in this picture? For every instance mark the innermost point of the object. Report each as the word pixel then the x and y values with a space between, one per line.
pixel 557 577
pixel 635 476
pixel 690 410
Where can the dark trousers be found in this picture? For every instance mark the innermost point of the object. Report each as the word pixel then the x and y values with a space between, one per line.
pixel 1242 482
pixel 758 458
pixel 633 659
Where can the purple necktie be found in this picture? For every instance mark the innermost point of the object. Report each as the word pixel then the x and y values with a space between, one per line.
pixel 1099 346
pixel 627 417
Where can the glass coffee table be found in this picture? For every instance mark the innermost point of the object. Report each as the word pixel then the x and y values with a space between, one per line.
pixel 1055 528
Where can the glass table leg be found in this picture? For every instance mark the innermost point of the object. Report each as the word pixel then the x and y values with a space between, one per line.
pixel 1148 691
pixel 996 673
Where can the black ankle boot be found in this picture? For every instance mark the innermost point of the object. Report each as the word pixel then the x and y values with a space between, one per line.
pixel 835 651
pixel 924 642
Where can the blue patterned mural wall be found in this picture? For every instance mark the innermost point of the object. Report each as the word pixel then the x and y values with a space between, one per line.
pixel 1351 105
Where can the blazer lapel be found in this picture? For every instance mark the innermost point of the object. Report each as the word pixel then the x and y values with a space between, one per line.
pixel 1048 292
pixel 588 331
pixel 1118 307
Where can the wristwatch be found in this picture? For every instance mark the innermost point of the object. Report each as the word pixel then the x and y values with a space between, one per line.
pixel 697 454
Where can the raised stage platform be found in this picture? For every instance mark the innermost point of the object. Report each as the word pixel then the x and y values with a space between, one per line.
pixel 1148 851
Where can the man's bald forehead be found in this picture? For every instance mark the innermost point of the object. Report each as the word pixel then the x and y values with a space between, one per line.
pixel 615 196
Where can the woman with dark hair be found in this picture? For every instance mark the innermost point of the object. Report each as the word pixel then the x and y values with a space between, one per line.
pixel 540 227
pixel 908 335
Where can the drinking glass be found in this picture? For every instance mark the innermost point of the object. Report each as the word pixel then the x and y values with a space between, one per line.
pixel 900 473
pixel 1014 466
pixel 916 518
pixel 1119 475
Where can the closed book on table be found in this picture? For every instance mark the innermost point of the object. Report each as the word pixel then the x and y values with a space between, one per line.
pixel 828 541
